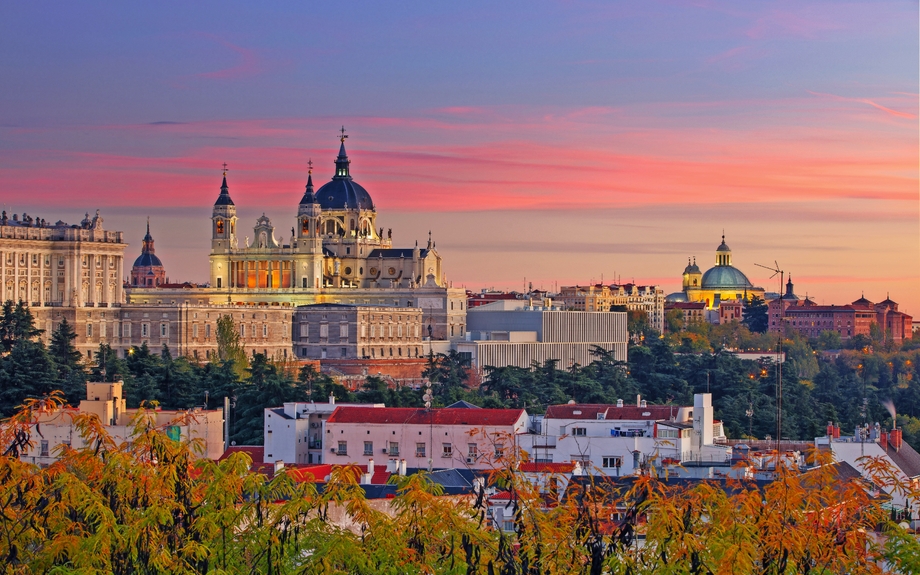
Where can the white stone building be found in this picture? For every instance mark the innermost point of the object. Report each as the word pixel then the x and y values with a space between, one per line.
pixel 618 439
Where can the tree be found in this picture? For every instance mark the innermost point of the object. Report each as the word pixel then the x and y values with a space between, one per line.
pixel 69 362
pixel 755 315
pixel 16 324
pixel 229 346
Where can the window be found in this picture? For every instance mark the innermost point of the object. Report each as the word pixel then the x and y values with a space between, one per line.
pixel 44 448
pixel 304 330
pixel 343 448
pixel 324 330
pixel 195 331
pixel 207 330
pixel 368 448
pixel 447 450
pixel 394 448
pixel 420 450
pixel 145 330
pixel 612 462
pixel 126 330
pixel 344 351
pixel 264 330
pixel 664 432
pixel 499 450
pixel 89 330
pixel 164 330
pixel 472 452
pixel 343 331
pixel 579 431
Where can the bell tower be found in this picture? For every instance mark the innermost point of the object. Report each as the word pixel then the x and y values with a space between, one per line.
pixel 223 235
pixel 309 242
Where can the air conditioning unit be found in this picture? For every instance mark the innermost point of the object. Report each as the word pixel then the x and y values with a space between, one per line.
pixel 332 450
pixel 385 450
pixel 471 460
pixel 314 425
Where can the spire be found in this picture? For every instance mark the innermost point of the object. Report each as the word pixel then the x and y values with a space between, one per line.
pixel 147 246
pixel 342 162
pixel 309 197
pixel 224 198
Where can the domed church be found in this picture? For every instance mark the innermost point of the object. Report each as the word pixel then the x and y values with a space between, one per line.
pixel 335 243
pixel 148 270
pixel 723 282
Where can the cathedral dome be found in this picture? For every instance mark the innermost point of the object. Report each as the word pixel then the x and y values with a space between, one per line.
pixel 147 259
pixel 343 193
pixel 721 277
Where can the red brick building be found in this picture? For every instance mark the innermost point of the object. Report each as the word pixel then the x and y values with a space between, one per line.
pixel 810 319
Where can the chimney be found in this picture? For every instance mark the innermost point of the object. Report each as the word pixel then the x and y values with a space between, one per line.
pixel 883 441
pixel 836 432
pixel 643 403
pixel 830 430
pixel 370 466
pixel 895 440
pixel 402 467
pixel 619 403
pixel 638 400
pixel 392 466
pixel 331 399
pixel 279 465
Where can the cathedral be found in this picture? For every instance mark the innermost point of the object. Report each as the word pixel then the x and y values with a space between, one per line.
pixel 335 243
pixel 722 282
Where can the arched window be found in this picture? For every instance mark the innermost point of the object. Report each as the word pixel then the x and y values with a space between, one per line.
pixel 220 227
pixel 306 227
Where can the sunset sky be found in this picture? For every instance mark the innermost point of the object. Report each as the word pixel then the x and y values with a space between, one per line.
pixel 561 142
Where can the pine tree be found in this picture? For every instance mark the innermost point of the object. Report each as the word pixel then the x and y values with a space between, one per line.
pixel 69 363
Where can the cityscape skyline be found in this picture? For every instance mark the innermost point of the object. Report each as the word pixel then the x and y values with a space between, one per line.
pixel 587 142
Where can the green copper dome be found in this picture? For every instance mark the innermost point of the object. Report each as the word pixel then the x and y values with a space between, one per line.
pixel 722 277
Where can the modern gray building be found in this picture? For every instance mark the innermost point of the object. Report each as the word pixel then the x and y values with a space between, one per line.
pixel 517 332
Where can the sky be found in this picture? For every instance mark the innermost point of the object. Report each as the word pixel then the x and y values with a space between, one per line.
pixel 543 143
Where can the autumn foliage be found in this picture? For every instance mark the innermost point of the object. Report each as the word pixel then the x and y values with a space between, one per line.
pixel 151 506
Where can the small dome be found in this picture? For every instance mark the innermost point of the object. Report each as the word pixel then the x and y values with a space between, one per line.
pixel 721 277
pixel 147 259
pixel 692 268
pixel 676 297
pixel 723 247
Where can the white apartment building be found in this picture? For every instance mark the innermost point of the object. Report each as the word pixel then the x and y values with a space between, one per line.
pixel 618 439
pixel 445 438
pixel 107 402
pixel 294 432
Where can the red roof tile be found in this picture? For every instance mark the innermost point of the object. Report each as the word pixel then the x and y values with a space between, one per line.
pixel 421 416
pixel 256 452
pixel 531 467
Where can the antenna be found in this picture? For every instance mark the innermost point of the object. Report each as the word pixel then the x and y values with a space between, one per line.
pixel 775 271
pixel 779 362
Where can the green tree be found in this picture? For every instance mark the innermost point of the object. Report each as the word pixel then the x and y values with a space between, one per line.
pixel 16 324
pixel 755 315
pixel 69 362
pixel 229 345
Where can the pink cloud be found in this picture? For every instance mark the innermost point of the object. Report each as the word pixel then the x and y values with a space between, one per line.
pixel 865 101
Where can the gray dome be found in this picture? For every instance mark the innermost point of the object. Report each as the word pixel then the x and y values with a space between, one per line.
pixel 677 297
pixel 722 277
